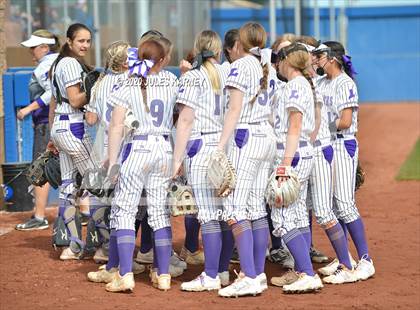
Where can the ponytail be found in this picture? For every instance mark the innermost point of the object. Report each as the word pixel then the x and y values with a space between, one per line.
pixel 264 82
pixel 213 76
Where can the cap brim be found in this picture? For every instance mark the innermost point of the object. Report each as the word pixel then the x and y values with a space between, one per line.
pixel 35 41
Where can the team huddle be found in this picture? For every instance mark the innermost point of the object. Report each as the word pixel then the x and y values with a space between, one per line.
pixel 285 117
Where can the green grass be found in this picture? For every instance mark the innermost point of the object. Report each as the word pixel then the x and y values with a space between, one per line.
pixel 410 170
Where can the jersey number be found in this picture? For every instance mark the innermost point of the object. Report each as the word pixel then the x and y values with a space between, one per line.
pixel 156 111
pixel 217 105
pixel 265 95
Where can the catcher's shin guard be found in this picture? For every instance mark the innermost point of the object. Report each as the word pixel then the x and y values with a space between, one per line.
pixel 66 226
pixel 74 227
pixel 98 227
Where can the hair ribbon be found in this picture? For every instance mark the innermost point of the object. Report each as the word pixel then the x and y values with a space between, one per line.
pixel 136 66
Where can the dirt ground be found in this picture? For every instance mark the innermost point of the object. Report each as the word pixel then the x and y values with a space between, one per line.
pixel 32 276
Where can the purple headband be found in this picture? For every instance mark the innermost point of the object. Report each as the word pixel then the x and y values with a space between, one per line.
pixel 139 67
pixel 348 64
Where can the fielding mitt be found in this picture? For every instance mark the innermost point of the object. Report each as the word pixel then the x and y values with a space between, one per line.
pixel 288 191
pixel 46 168
pixel 360 176
pixel 221 173
pixel 89 79
pixel 180 198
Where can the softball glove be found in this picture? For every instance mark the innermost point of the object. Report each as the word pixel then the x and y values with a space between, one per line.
pixel 221 173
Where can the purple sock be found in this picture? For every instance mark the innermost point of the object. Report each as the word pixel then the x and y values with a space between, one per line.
pixel 298 248
pixel 126 241
pixel 306 233
pixel 260 235
pixel 146 242
pixel 228 244
pixel 192 229
pixel 357 233
pixel 344 227
pixel 163 249
pixel 212 244
pixel 339 243
pixel 275 241
pixel 242 231
pixel 113 260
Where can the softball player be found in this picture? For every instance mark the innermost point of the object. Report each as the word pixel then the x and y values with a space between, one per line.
pixel 251 151
pixel 146 164
pixel 190 252
pixel 278 253
pixel 115 72
pixel 341 98
pixel 68 129
pixel 200 123
pixel 43 47
pixel 293 125
pixel 319 196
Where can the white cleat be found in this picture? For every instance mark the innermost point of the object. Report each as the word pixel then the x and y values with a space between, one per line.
pixel 241 287
pixel 332 267
pixel 137 268
pixel 202 283
pixel 68 254
pixel 262 278
pixel 100 256
pixel 304 284
pixel 144 258
pixel 121 284
pixel 224 278
pixel 102 275
pixel 341 275
pixel 364 269
pixel 178 261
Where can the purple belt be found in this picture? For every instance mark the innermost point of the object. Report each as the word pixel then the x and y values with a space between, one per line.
pixel 64 117
pixel 145 137
pixel 281 146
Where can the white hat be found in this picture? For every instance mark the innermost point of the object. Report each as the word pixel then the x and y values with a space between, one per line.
pixel 35 41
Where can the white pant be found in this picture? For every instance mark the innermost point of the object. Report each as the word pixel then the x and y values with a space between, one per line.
pixel 320 185
pixel 251 153
pixel 295 215
pixel 199 149
pixel 346 154
pixel 148 164
pixel 75 146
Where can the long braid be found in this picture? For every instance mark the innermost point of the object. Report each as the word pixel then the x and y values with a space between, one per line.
pixel 143 86
pixel 264 83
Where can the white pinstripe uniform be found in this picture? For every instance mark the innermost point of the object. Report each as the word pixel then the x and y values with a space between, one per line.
pixel 147 163
pixel 41 75
pixel 196 92
pixel 98 103
pixel 339 94
pixel 320 186
pixel 68 131
pixel 252 148
pixel 297 95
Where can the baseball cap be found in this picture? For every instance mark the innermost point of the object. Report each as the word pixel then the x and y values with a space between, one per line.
pixel 35 41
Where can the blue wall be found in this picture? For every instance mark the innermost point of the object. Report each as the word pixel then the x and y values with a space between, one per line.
pixel 384 43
